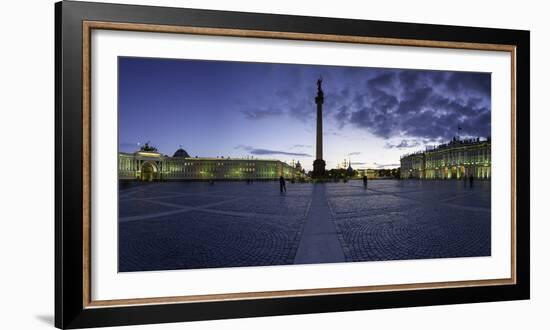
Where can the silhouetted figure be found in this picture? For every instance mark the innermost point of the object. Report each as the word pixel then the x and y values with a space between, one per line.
pixel 471 181
pixel 365 181
pixel 282 184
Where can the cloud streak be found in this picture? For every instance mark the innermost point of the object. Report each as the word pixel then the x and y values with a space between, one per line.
pixel 404 144
pixel 384 166
pixel 264 152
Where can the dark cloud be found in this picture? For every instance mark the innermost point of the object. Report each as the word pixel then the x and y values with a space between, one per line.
pixel 302 110
pixel 422 104
pixel 342 116
pixel 388 103
pixel 471 82
pixel 382 80
pixel 404 144
pixel 263 152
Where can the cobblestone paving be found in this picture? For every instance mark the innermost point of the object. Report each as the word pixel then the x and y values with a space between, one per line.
pixel 395 220
pixel 197 225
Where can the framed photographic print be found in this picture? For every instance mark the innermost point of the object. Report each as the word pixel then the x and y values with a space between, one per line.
pixel 218 164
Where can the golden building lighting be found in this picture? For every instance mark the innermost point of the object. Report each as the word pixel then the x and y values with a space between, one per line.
pixel 458 159
pixel 148 164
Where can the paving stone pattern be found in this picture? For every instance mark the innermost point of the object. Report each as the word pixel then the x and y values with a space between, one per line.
pixel 187 225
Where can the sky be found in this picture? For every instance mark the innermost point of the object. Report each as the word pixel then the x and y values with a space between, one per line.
pixel 371 116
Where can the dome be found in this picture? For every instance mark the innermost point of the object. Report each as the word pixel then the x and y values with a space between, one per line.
pixel 181 153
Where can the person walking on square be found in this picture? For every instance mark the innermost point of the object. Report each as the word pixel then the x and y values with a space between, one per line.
pixel 282 184
pixel 365 181
pixel 471 181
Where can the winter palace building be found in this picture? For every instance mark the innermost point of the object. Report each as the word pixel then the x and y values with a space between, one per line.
pixel 457 159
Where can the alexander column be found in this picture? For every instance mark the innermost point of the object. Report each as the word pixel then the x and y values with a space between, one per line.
pixel 319 163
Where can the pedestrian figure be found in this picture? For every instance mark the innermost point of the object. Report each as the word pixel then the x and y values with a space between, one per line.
pixel 471 181
pixel 365 181
pixel 282 184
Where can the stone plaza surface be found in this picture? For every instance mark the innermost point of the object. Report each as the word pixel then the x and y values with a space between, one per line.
pixel 185 225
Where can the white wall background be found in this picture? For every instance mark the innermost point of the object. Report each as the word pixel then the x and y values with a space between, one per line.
pixel 27 163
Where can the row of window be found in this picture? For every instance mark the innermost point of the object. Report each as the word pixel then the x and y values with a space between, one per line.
pixel 217 170
pixel 208 175
pixel 130 164
pixel 445 159
pixel 478 173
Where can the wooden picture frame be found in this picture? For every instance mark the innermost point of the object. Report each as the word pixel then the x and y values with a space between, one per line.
pixel 74 307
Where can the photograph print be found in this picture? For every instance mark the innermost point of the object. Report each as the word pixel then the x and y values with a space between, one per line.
pixel 244 164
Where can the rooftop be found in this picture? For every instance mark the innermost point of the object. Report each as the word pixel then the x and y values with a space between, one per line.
pixel 454 143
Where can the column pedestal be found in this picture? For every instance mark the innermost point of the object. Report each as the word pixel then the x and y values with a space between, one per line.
pixel 319 168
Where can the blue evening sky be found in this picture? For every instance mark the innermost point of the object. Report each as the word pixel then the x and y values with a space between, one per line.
pixel 267 110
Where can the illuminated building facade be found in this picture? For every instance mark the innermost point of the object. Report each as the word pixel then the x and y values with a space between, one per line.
pixel 376 173
pixel 457 159
pixel 148 164
pixel 368 172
